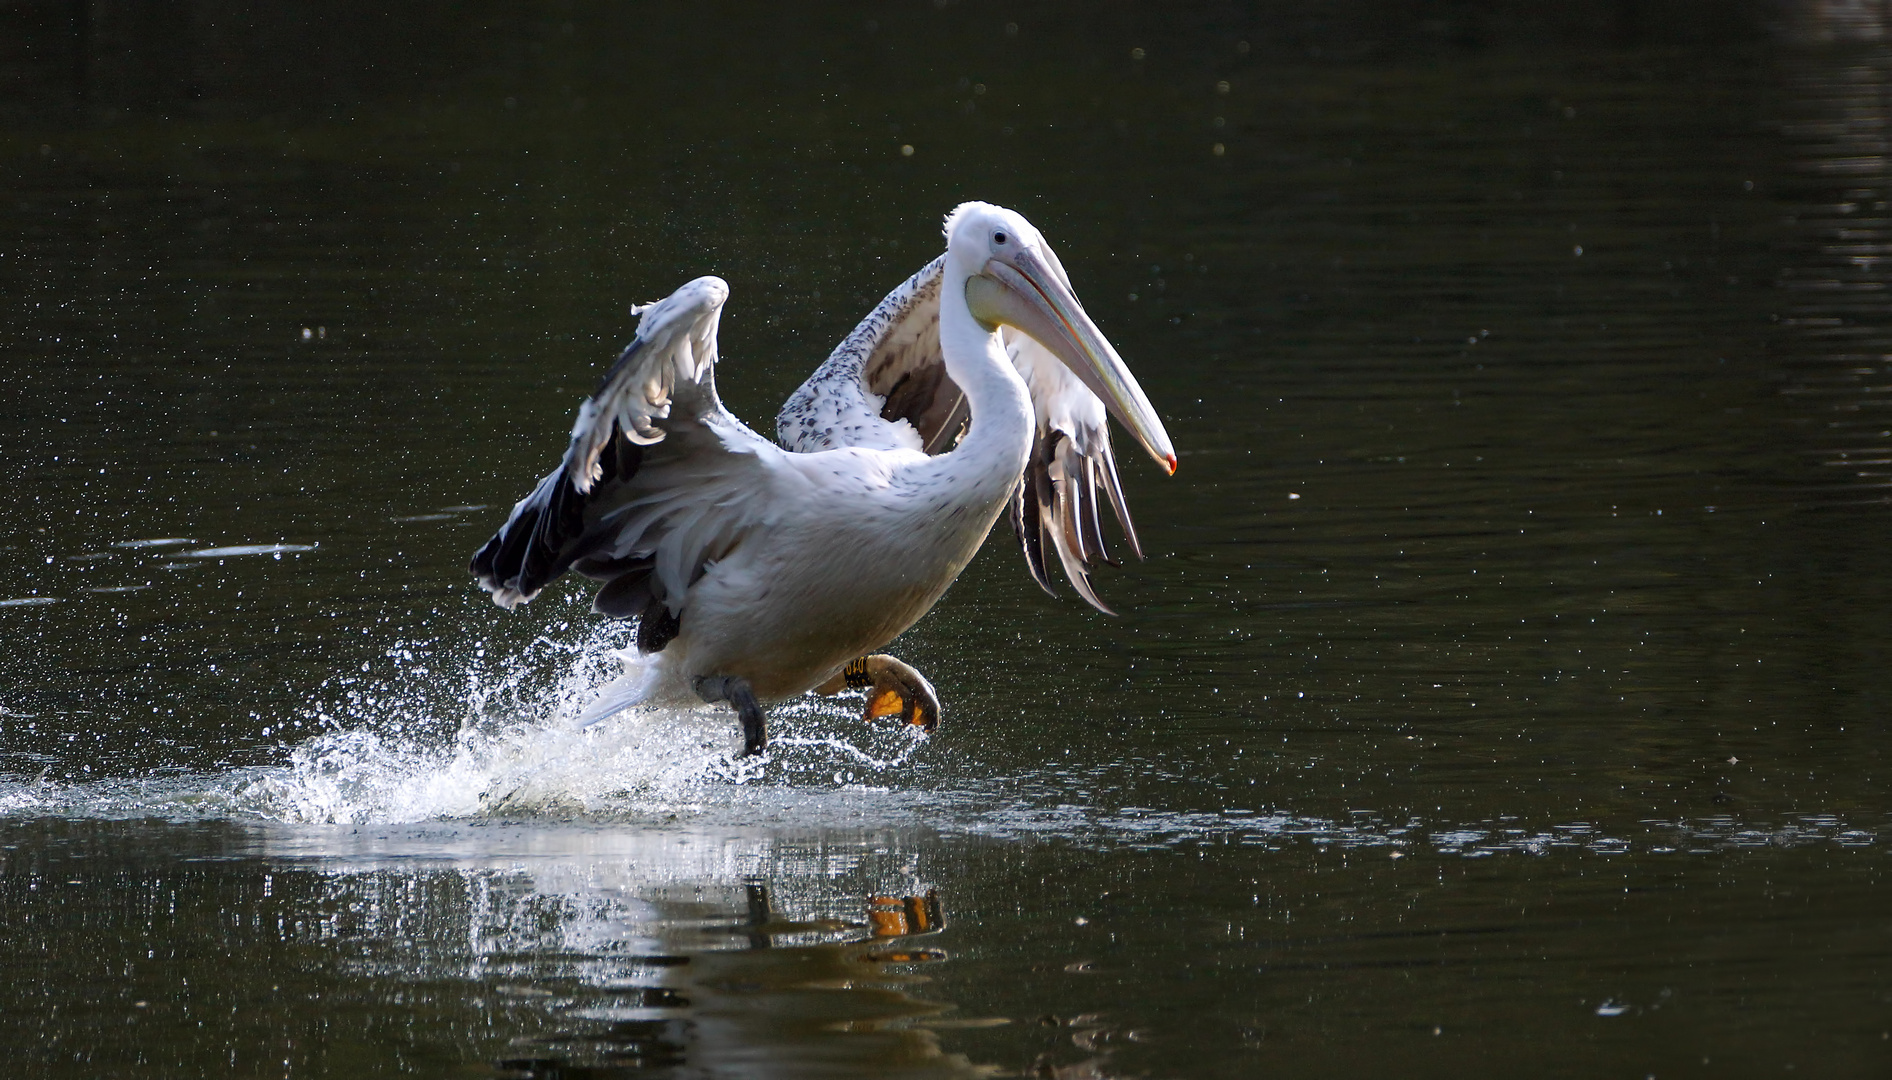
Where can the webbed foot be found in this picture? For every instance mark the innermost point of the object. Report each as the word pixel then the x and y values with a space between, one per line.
pixel 893 688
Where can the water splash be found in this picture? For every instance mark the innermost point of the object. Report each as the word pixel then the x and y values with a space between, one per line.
pixel 509 743
pixel 433 736
pixel 478 737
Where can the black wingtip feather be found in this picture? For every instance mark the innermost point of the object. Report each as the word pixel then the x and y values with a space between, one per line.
pixel 1030 536
pixel 1113 486
pixel 1059 502
pixel 549 531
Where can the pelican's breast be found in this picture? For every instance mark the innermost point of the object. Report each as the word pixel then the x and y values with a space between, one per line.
pixel 869 553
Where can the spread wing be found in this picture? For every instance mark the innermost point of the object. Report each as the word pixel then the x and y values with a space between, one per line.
pixel 659 479
pixel 885 387
pixel 1071 471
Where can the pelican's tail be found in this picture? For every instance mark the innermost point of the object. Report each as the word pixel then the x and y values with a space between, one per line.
pixel 634 687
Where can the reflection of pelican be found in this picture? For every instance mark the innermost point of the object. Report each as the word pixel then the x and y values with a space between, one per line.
pixel 759 572
pixel 805 997
pixel 668 952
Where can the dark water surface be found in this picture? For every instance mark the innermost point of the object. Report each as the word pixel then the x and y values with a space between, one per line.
pixel 1506 691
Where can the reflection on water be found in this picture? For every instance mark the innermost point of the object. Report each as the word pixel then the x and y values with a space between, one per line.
pixel 556 950
pixel 547 952
pixel 697 976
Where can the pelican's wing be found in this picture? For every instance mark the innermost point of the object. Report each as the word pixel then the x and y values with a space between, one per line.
pixel 885 387
pixel 1070 472
pixel 659 479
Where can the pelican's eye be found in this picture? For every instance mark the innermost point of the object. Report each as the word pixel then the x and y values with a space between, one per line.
pixel 1000 238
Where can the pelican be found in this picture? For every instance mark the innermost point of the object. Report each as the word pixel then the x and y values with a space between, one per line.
pixel 759 571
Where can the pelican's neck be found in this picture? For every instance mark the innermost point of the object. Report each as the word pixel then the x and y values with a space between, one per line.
pixel 994 450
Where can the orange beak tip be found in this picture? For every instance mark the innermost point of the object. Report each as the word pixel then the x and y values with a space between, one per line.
pixel 1171 464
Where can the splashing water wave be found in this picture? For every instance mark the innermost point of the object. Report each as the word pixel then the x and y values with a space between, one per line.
pixel 501 741
pixel 508 744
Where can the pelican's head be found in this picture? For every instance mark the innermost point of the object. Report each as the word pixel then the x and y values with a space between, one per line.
pixel 1013 279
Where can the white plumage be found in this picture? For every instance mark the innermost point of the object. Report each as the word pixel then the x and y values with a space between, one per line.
pixel 758 571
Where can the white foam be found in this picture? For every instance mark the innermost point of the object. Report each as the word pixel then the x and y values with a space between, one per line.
pixel 649 762
pixel 473 737
pixel 21 799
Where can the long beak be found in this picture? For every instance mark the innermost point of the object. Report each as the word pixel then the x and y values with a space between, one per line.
pixel 1024 292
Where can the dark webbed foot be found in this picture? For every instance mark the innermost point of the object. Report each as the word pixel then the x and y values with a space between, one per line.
pixel 736 691
pixel 893 688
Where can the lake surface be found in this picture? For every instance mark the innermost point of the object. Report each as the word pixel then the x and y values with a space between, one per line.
pixel 1507 691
